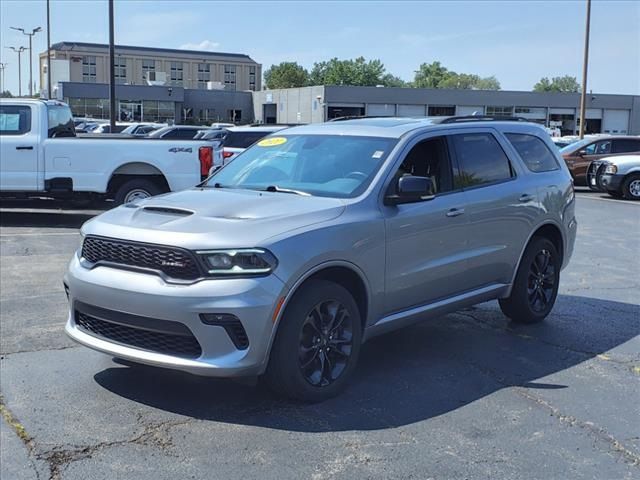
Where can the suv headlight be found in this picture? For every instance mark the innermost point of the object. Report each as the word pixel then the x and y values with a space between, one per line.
pixel 241 261
pixel 612 169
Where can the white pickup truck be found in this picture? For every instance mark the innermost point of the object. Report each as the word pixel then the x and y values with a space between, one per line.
pixel 40 156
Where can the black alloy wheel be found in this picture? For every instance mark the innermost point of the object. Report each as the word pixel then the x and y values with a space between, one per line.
pixel 325 343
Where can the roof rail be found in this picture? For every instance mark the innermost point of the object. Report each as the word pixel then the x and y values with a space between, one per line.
pixel 481 118
pixel 355 117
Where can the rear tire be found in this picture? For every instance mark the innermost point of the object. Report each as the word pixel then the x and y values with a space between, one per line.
pixel 631 187
pixel 535 288
pixel 136 189
pixel 317 344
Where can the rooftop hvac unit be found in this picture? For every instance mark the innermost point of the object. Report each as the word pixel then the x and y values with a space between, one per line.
pixel 215 86
pixel 156 78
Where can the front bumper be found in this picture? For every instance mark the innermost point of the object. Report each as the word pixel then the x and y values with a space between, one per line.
pixel 144 296
pixel 611 182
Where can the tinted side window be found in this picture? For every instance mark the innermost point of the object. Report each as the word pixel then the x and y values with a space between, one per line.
pixel 428 158
pixel 533 151
pixel 481 160
pixel 626 145
pixel 603 148
pixel 15 119
pixel 243 139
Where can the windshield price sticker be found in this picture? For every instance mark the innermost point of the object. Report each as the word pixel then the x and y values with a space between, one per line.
pixel 272 142
pixel 377 154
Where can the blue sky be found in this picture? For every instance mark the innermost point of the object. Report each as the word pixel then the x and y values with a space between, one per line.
pixel 517 41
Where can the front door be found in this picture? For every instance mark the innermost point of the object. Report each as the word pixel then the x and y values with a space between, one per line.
pixel 578 163
pixel 19 148
pixel 426 241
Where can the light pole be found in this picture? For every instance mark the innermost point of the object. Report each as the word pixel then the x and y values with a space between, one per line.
pixel 30 35
pixel 48 53
pixel 583 95
pixel 2 67
pixel 112 74
pixel 19 51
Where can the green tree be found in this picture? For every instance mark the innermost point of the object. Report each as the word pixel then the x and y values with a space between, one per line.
pixel 557 84
pixel 6 94
pixel 430 75
pixel 286 75
pixel 488 83
pixel 436 75
pixel 390 80
pixel 349 72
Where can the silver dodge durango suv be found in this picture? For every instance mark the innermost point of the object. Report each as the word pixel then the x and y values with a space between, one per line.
pixel 319 237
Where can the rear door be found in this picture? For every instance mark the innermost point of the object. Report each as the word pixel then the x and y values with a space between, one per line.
pixel 501 207
pixel 19 148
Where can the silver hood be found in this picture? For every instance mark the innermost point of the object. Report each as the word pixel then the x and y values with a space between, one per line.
pixel 213 218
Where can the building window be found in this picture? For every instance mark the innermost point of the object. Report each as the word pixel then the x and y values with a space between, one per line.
pixel 89 107
pixel 230 77
pixel 442 110
pixel 252 78
pixel 176 73
pixel 147 66
pixel 89 69
pixel 204 74
pixel 120 70
pixel 499 111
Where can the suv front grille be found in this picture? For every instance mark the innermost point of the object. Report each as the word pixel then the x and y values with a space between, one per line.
pixel 174 262
pixel 179 345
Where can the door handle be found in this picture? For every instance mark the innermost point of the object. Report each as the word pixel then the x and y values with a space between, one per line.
pixel 454 212
pixel 525 197
pixel 23 147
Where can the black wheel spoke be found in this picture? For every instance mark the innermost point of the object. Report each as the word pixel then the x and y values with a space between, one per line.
pixel 325 343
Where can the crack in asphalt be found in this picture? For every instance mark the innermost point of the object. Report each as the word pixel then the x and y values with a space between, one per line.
pixel 4 355
pixel 509 330
pixel 598 432
pixel 59 458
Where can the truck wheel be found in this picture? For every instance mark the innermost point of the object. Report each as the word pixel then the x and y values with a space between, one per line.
pixel 136 189
pixel 317 344
pixel 535 288
pixel 631 187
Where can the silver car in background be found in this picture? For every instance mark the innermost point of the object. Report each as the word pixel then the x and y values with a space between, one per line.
pixel 318 238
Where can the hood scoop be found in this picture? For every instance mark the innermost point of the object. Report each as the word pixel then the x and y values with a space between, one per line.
pixel 169 211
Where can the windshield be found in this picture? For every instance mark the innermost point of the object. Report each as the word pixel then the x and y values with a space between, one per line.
pixel 576 145
pixel 322 165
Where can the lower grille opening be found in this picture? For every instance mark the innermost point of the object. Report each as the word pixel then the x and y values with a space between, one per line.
pixel 185 346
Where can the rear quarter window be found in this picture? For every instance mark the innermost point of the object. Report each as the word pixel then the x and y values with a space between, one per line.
pixel 534 152
pixel 15 119
pixel 243 139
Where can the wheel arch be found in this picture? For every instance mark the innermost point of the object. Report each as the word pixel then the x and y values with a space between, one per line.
pixel 549 230
pixel 343 273
pixel 131 170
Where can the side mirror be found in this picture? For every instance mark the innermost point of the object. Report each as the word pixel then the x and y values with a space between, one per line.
pixel 412 189
pixel 582 152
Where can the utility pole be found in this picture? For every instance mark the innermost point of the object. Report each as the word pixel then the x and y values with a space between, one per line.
pixel 19 51
pixel 2 67
pixel 48 53
pixel 30 35
pixel 583 95
pixel 112 73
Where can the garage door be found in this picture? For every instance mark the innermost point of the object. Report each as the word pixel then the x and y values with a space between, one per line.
pixel 412 111
pixel 615 121
pixel 381 109
pixel 464 110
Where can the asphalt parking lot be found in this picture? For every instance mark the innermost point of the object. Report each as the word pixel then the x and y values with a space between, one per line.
pixel 465 396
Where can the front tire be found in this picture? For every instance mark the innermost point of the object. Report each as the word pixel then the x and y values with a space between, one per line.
pixel 631 187
pixel 535 288
pixel 317 344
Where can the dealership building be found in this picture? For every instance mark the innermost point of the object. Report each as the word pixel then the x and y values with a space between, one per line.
pixel 615 114
pixel 154 84
pixel 187 86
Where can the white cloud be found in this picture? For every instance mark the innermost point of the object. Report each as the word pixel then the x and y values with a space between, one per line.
pixel 206 45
